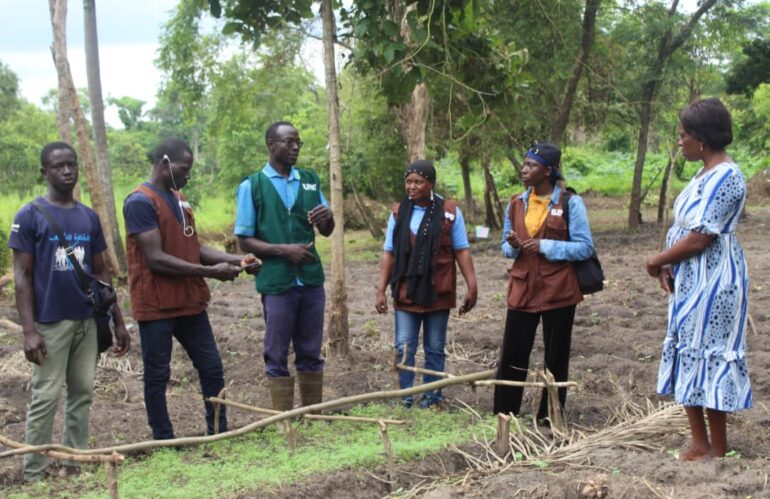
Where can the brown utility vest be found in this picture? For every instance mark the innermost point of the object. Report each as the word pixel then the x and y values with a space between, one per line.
pixel 445 273
pixel 536 284
pixel 157 296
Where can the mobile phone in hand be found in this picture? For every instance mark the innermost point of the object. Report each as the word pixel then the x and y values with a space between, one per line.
pixel 670 280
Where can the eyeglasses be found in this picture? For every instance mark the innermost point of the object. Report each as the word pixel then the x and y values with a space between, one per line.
pixel 290 142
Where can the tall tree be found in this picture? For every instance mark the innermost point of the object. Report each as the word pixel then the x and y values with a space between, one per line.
pixel 59 46
pixel 673 38
pixel 589 24
pixel 58 9
pixel 103 170
pixel 338 313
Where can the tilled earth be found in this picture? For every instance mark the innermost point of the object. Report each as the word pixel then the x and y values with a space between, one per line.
pixel 616 344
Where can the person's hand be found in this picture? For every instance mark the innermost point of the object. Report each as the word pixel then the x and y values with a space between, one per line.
pixel 251 264
pixel 666 279
pixel 531 245
pixel 34 347
pixel 319 215
pixel 653 269
pixel 224 271
pixel 299 254
pixel 469 302
pixel 122 340
pixel 513 239
pixel 381 302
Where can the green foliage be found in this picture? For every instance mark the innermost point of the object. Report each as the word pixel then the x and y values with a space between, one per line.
pixel 753 70
pixel 129 111
pixel 22 135
pixel 9 91
pixel 5 253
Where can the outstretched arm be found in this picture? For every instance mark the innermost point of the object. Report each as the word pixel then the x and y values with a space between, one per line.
pixel 159 261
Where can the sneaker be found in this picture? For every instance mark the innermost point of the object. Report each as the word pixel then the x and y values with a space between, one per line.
pixel 407 402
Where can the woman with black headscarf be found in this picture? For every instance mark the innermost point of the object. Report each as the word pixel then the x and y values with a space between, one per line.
pixel 425 237
pixel 542 282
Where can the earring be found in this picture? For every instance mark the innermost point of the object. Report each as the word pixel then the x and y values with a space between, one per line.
pixel 431 195
pixel 701 148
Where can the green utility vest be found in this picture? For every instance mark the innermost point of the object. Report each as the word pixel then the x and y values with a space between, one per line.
pixel 277 225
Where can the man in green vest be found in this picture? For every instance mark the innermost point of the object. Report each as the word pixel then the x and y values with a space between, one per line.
pixel 278 209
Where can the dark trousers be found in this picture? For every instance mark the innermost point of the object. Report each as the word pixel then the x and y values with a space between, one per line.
pixel 194 333
pixel 520 328
pixel 294 318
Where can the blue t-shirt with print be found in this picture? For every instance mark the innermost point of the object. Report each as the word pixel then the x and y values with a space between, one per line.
pixel 58 295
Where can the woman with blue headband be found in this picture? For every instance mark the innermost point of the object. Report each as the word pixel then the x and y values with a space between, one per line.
pixel 425 237
pixel 542 282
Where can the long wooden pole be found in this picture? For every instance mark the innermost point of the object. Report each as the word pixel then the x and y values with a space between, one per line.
pixel 319 417
pixel 262 423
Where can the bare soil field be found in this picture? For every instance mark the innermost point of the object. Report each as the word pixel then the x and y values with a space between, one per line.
pixel 616 344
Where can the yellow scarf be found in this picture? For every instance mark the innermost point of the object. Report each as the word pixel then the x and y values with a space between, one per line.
pixel 537 211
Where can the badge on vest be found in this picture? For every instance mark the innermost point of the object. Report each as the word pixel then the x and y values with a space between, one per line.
pixel 449 216
pixel 310 187
pixel 556 212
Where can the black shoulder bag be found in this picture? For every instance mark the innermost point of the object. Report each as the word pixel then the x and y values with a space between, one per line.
pixel 101 294
pixel 589 271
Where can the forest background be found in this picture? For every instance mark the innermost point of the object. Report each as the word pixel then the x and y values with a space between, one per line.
pixel 604 79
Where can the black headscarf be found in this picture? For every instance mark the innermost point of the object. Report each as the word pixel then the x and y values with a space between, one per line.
pixel 419 263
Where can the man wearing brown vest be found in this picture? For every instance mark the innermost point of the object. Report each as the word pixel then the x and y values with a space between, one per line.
pixel 167 266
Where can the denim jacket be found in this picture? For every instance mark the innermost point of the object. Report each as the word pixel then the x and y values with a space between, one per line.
pixel 579 247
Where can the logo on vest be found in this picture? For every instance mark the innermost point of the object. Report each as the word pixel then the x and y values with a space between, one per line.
pixel 310 187
pixel 556 212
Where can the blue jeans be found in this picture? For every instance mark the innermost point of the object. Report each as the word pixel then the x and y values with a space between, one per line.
pixel 194 333
pixel 434 338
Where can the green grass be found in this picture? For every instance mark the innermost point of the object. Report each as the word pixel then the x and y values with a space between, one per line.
pixel 254 464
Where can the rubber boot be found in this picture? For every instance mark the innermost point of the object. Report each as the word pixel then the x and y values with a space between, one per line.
pixel 311 386
pixel 281 392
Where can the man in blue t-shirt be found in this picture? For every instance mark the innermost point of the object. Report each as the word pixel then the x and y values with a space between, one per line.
pixel 56 316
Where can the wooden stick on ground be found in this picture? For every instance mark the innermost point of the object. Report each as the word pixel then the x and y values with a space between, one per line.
pixel 59 452
pixel 554 405
pixel 10 325
pixel 262 423
pixel 388 454
pixel 111 471
pixel 420 370
pixel 525 384
pixel 320 417
pixel 217 406
pixel 503 437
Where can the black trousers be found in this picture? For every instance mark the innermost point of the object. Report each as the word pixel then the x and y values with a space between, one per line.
pixel 520 328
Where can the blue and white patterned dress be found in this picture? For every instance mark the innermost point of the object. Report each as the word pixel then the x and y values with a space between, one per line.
pixel 704 354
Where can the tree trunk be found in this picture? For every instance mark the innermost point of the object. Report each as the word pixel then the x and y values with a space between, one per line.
pixel 465 168
pixel 662 199
pixel 58 10
pixel 493 219
pixel 338 311
pixel 416 115
pixel 668 45
pixel 103 170
pixel 562 118
pixel 374 229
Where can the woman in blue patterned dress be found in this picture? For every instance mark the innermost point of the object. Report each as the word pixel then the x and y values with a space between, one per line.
pixel 704 354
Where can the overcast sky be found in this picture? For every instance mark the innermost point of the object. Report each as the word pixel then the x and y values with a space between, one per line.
pixel 128 40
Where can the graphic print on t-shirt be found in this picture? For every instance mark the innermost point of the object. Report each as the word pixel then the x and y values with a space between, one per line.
pixel 61 262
